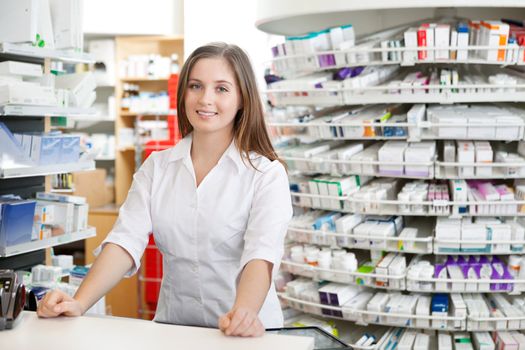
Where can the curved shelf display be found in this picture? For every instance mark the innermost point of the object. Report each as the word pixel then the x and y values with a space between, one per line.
pixel 297 17
pixel 351 204
pixel 375 317
pixel 466 322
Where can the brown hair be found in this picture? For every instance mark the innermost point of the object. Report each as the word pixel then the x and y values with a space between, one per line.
pixel 249 128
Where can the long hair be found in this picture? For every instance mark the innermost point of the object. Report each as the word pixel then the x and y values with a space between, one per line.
pixel 249 128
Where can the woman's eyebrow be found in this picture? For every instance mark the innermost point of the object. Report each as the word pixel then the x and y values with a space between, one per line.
pixel 216 81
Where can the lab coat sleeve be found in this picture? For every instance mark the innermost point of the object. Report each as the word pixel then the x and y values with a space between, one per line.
pixel 270 213
pixel 131 231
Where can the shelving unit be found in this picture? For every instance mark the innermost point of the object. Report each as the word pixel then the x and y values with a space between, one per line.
pixel 127 160
pixel 281 18
pixel 27 180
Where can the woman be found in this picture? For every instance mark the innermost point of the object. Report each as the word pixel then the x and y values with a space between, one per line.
pixel 218 204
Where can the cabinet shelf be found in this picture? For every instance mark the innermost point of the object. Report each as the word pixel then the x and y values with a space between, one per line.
pixel 43 170
pixel 426 244
pixel 143 79
pixel 47 243
pixel 51 111
pixel 26 51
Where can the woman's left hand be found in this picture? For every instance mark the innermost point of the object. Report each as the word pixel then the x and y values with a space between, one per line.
pixel 242 322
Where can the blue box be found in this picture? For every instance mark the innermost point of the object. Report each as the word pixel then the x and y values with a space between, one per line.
pixel 46 148
pixel 70 152
pixel 16 221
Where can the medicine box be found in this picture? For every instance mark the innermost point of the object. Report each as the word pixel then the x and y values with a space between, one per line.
pixel 27 94
pixel 16 222
pixel 20 69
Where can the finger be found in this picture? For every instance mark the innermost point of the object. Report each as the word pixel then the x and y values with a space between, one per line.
pixel 244 322
pixel 236 318
pixel 246 328
pixel 224 322
pixel 46 310
pixel 255 330
pixel 54 297
pixel 68 308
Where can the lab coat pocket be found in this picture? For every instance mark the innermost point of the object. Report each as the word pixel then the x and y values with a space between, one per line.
pixel 228 241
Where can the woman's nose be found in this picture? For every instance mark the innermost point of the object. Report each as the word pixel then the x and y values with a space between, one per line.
pixel 206 97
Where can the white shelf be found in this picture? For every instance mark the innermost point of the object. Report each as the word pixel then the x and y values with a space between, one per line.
pixel 422 245
pixel 293 17
pixel 296 98
pixel 372 317
pixel 436 169
pixel 405 283
pixel 105 158
pixel 31 111
pixel 43 170
pixel 371 280
pixel 24 51
pixel 47 243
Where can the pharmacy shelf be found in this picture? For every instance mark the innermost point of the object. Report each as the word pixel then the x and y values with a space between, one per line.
pixel 51 111
pixel 47 243
pixel 281 97
pixel 371 280
pixel 296 17
pixel 413 245
pixel 405 282
pixel 43 170
pixel 446 285
pixel 288 66
pixel 22 51
pixel 488 324
pixel 425 130
pixel 381 318
pixel 350 204
pixel 436 169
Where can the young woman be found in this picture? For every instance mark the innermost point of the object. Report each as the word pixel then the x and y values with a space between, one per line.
pixel 218 204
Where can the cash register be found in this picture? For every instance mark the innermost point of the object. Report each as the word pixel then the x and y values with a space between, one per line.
pixel 12 299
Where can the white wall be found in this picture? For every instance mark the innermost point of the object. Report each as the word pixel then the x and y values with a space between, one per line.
pixel 133 17
pixel 231 21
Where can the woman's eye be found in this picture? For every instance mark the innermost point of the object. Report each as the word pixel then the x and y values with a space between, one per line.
pixel 222 89
pixel 194 86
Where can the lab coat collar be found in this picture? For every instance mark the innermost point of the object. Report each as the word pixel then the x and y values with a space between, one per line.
pixel 183 148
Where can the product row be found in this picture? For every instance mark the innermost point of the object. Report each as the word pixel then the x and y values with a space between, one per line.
pixel 374 337
pixel 441 41
pixel 135 101
pixel 148 66
pixel 419 160
pixel 503 122
pixel 419 273
pixel 381 84
pixel 49 215
pixel 481 235
pixel 25 84
pixel 452 312
pixel 392 196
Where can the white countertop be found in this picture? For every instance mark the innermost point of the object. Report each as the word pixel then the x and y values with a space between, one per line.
pixel 96 333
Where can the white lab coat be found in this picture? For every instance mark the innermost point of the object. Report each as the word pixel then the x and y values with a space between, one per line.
pixel 206 234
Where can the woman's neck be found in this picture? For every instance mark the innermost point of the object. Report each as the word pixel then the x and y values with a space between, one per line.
pixel 209 147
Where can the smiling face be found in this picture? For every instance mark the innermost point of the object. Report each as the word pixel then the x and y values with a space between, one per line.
pixel 212 97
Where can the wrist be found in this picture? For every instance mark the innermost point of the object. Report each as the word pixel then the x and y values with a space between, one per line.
pixel 82 306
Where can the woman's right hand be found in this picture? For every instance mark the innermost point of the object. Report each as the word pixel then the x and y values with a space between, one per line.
pixel 56 303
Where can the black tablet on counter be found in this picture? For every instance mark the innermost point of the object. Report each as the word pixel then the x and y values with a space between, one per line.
pixel 322 339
